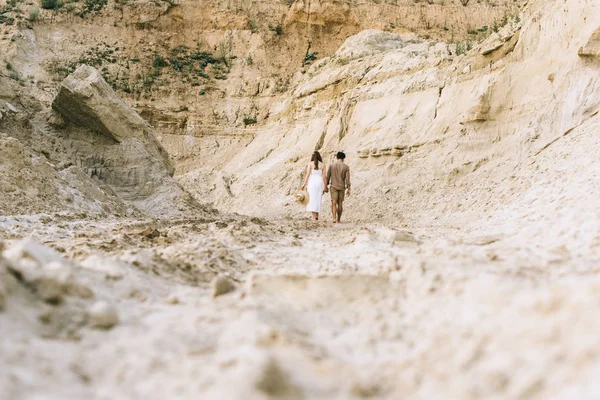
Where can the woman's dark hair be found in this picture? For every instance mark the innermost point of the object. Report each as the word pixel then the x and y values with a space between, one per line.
pixel 316 157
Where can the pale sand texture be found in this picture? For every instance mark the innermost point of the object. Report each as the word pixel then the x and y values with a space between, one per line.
pixel 467 264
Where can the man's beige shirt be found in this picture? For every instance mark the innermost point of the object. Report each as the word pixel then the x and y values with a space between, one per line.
pixel 338 174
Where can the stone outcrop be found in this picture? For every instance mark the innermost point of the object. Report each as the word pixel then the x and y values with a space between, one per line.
pixel 85 99
pixel 116 146
pixel 592 47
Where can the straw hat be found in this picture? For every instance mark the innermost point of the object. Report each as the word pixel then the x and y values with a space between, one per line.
pixel 302 196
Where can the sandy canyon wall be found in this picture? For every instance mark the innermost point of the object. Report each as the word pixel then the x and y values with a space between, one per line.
pixel 436 137
pixel 206 73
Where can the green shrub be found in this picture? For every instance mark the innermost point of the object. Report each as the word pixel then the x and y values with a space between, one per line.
pixel 310 57
pixel 15 76
pixel 277 29
pixel 253 26
pixel 34 13
pixel 225 53
pixel 93 5
pixel 249 121
pixel 159 61
pixel 50 4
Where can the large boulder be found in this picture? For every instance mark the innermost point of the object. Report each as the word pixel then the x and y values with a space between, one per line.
pixel 85 99
pixel 115 146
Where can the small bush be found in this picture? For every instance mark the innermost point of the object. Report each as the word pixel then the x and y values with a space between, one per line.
pixel 253 26
pixel 277 29
pixel 93 5
pixel 225 53
pixel 310 57
pixel 462 47
pixel 159 61
pixel 34 13
pixel 14 75
pixel 249 121
pixel 50 4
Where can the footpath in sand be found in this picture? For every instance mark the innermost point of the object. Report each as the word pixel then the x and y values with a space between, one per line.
pixel 303 311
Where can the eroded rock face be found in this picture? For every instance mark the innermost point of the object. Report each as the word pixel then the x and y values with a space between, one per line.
pixel 85 99
pixel 116 146
pixel 592 48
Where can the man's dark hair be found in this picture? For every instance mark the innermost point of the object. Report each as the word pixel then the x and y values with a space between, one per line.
pixel 340 155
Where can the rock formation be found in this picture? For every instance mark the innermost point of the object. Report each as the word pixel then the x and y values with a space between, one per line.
pixel 131 161
pixel 592 47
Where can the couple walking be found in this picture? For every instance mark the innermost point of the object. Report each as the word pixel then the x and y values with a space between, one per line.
pixel 336 181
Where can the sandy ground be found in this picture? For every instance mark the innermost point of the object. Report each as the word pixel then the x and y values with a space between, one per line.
pixel 320 311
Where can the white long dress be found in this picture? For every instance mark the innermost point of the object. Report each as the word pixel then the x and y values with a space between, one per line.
pixel 315 190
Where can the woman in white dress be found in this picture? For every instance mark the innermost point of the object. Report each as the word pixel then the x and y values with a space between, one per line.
pixel 315 183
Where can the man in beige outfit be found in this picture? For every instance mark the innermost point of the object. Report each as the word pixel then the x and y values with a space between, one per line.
pixel 338 176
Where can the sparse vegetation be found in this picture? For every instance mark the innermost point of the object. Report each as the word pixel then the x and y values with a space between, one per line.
pixel 6 19
pixel 463 47
pixel 310 57
pixel 90 6
pixel 14 75
pixel 249 121
pixel 13 3
pixel 34 13
pixel 51 4
pixel 253 26
pixel 159 61
pixel 278 29
pixel 225 53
